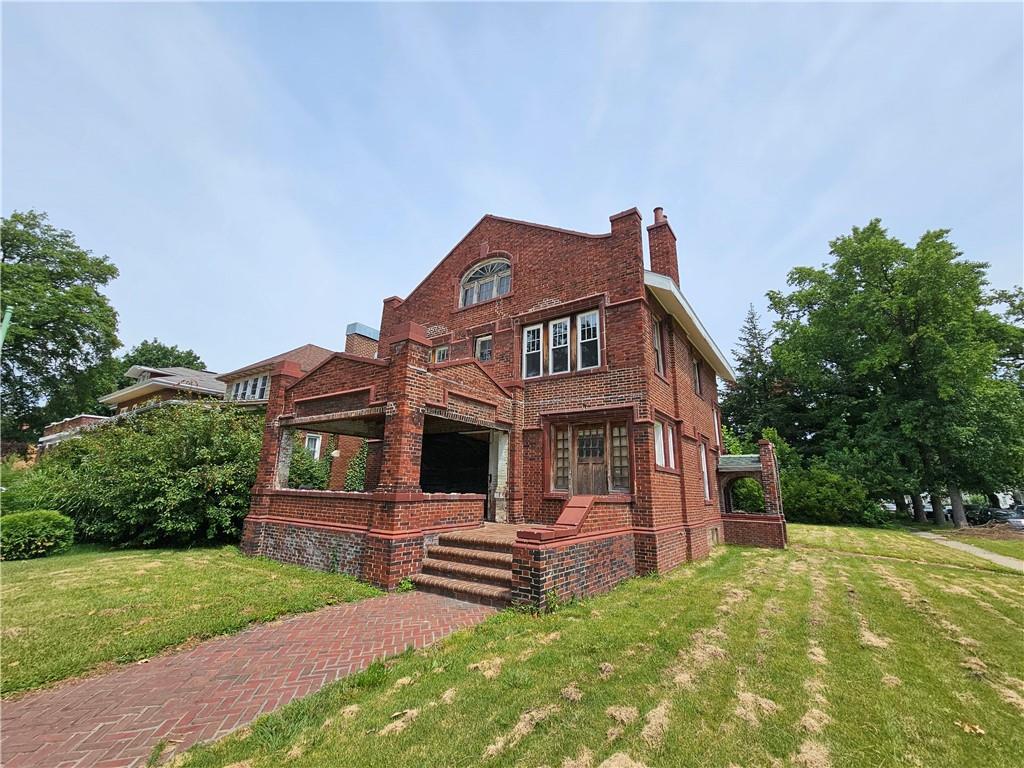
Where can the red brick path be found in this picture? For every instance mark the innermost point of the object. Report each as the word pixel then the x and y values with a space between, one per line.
pixel 202 694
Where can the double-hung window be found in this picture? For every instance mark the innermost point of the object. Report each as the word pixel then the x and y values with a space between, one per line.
pixel 664 444
pixel 704 470
pixel 263 388
pixel 532 351
pixel 484 348
pixel 313 445
pixel 440 354
pixel 234 392
pixel 558 345
pixel 588 354
pixel 659 354
pixel 696 375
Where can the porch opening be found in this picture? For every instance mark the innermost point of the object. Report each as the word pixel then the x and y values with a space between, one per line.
pixel 455 462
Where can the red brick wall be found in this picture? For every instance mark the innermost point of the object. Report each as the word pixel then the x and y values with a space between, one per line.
pixel 357 344
pixel 73 423
pixel 755 530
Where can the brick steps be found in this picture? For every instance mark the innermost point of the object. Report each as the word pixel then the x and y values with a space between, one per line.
pixel 473 565
pixel 488 594
pixel 483 557
pixel 500 577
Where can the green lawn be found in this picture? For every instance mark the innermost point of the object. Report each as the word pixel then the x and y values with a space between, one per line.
pixel 883 542
pixel 68 614
pixel 1011 547
pixel 812 657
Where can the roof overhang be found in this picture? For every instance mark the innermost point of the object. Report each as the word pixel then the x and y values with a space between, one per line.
pixel 669 296
pixel 151 386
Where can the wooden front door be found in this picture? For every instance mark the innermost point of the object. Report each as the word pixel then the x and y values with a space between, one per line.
pixel 591 465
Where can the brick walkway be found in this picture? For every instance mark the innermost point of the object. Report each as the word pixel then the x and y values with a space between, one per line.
pixel 208 691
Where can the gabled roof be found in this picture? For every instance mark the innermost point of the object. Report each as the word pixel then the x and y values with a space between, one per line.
pixel 671 298
pixel 307 357
pixel 176 378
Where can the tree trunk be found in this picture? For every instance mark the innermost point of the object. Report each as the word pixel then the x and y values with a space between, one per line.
pixel 901 506
pixel 993 500
pixel 936 502
pixel 920 516
pixel 956 500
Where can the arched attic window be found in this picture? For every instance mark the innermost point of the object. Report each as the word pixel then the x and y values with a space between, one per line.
pixel 487 280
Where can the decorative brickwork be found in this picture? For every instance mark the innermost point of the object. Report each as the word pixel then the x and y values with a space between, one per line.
pixel 656 512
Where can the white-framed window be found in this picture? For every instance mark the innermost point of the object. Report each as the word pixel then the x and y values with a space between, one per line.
pixel 704 470
pixel 659 444
pixel 484 348
pixel 532 351
pixel 588 340
pixel 696 375
pixel 659 354
pixel 718 430
pixel 664 444
pixel 313 445
pixel 440 354
pixel 254 388
pixel 558 345
pixel 490 279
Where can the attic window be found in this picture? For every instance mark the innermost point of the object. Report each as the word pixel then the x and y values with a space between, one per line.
pixel 491 279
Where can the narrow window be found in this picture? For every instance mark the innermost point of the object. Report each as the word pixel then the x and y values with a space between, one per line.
pixel 234 392
pixel 532 352
pixel 467 295
pixel 313 445
pixel 620 458
pixel 670 445
pixel 263 388
pixel 659 356
pixel 560 481
pixel 704 471
pixel 696 375
pixel 718 430
pixel 504 283
pixel 484 291
pixel 558 341
pixel 254 384
pixel 440 354
pixel 659 444
pixel 588 353
pixel 484 348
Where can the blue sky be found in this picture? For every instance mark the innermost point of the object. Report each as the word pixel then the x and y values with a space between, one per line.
pixel 264 174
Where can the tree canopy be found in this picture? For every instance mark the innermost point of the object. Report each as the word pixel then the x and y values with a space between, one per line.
pixel 63 325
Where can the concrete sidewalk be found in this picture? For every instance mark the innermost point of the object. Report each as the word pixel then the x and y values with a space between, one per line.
pixel 992 557
pixel 203 693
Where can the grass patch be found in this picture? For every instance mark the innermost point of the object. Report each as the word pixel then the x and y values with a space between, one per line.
pixel 808 657
pixel 66 615
pixel 884 542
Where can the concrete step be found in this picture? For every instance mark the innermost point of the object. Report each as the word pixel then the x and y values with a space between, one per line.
pixel 488 594
pixel 484 557
pixel 501 577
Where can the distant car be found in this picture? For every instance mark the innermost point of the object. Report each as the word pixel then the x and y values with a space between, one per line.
pixel 1005 515
pixel 889 506
pixel 977 515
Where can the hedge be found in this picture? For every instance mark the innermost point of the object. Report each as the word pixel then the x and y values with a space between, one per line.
pixel 37 533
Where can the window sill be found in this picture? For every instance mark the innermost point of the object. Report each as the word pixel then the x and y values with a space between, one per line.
pixel 620 496
pixel 566 375
pixel 662 376
pixel 665 470
pixel 485 302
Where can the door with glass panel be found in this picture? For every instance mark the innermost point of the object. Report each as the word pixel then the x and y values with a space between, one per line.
pixel 591 465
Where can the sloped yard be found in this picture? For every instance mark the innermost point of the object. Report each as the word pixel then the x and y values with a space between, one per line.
pixel 75 613
pixel 849 649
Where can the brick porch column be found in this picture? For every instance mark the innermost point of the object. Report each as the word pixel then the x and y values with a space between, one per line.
pixel 274 448
pixel 403 427
pixel 770 478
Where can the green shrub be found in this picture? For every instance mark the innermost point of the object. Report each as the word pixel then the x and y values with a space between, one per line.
pixel 306 471
pixel 355 474
pixel 37 533
pixel 175 475
pixel 818 494
pixel 16 496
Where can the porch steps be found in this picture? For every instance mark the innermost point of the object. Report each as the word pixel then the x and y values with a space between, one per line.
pixel 473 565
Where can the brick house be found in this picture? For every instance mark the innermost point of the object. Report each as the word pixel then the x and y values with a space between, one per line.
pixel 542 419
pixel 152 385
pixel 248 387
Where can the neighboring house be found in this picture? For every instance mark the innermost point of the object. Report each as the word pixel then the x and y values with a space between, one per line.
pixel 542 416
pixel 159 384
pixel 150 387
pixel 59 431
pixel 249 386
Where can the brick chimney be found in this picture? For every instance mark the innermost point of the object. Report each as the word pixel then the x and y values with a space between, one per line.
pixel 662 242
pixel 361 340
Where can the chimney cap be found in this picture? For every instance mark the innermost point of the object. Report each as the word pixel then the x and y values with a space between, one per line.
pixel 659 215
